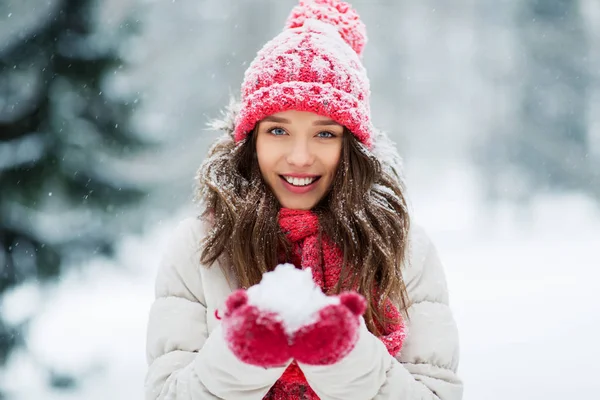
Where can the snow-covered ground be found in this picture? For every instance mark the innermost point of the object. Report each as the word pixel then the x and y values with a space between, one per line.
pixel 522 289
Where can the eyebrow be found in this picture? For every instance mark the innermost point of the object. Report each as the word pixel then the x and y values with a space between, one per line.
pixel 321 122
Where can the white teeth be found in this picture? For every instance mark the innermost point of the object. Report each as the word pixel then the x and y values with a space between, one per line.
pixel 299 181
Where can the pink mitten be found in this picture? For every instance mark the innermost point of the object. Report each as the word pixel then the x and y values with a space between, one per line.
pixel 256 337
pixel 334 334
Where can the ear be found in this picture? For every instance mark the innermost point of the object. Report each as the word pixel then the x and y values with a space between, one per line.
pixel 354 302
pixel 235 300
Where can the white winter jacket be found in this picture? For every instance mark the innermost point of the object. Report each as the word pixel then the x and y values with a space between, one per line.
pixel 188 358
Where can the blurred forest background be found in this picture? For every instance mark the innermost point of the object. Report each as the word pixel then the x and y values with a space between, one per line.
pixel 494 106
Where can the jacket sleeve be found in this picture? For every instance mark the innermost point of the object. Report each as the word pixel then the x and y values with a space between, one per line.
pixel 184 361
pixel 427 365
pixel 426 368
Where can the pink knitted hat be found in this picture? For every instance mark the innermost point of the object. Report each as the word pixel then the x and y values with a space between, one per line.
pixel 313 65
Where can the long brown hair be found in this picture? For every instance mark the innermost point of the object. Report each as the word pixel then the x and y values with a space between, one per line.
pixel 364 213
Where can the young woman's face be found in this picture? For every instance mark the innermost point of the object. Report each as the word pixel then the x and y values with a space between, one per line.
pixel 298 154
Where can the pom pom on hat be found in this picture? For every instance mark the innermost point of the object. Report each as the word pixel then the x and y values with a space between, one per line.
pixel 334 12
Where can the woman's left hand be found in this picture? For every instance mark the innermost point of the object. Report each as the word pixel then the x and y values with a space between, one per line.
pixel 333 335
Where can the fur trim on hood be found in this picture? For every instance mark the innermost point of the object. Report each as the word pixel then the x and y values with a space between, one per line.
pixel 383 147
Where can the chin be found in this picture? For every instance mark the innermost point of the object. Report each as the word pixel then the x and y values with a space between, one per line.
pixel 297 204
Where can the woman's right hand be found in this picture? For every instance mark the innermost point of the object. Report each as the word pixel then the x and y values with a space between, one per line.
pixel 255 337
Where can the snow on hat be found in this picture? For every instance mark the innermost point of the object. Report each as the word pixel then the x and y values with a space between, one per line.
pixel 313 65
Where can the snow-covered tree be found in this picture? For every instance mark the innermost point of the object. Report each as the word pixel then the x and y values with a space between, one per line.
pixel 541 138
pixel 64 144
pixel 553 143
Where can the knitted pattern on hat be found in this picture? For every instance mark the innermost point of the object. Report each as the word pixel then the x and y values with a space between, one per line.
pixel 302 230
pixel 313 65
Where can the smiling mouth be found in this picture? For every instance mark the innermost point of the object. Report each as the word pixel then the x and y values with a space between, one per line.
pixel 300 182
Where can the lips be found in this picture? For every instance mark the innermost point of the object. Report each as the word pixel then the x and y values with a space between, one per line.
pixel 300 181
pixel 299 189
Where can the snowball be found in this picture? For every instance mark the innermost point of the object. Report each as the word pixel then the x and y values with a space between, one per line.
pixel 292 294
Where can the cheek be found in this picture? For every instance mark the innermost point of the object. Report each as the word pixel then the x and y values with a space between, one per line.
pixel 332 160
pixel 266 158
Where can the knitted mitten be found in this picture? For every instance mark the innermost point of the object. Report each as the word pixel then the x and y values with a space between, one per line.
pixel 255 336
pixel 334 333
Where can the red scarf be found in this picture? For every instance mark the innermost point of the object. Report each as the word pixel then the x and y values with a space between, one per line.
pixel 302 229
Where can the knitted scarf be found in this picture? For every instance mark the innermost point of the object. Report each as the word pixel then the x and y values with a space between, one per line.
pixel 302 230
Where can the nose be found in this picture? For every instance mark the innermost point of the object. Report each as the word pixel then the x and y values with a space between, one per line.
pixel 300 153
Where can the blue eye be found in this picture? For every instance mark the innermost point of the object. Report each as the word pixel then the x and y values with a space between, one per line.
pixel 329 135
pixel 277 131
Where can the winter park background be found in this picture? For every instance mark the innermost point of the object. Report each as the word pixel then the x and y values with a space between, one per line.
pixel 494 106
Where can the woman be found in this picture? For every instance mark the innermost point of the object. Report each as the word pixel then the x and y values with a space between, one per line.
pixel 301 176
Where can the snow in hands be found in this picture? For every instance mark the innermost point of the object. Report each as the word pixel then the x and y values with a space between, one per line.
pixel 287 316
pixel 292 295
